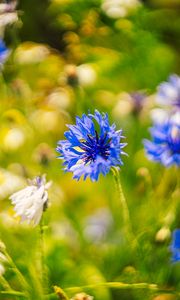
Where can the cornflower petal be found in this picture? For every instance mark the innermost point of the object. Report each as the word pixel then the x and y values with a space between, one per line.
pixel 165 144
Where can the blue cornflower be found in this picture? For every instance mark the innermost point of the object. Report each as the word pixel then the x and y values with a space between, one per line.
pixel 92 147
pixel 165 144
pixel 169 92
pixel 4 52
pixel 175 246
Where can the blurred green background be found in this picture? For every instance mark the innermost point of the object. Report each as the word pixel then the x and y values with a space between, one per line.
pixel 68 57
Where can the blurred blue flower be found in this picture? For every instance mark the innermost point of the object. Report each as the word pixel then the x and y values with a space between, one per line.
pixel 4 52
pixel 169 92
pixel 175 246
pixel 92 146
pixel 165 144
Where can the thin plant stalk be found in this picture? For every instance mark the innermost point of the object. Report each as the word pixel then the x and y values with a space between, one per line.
pixel 60 293
pixel 126 216
pixel 125 210
pixel 152 288
pixel 44 278
pixel 155 289
pixel 13 293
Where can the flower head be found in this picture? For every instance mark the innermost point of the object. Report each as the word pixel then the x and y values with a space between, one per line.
pixel 7 7
pixel 4 52
pixel 30 202
pixel 8 15
pixel 165 144
pixel 119 8
pixel 92 146
pixel 175 246
pixel 169 92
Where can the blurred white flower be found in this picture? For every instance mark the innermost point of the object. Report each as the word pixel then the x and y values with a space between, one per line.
pixel 7 7
pixel 86 75
pixel 59 98
pixel 8 15
pixel 97 225
pixel 31 201
pixel 48 120
pixel 29 53
pixel 119 8
pixel 9 183
pixel 8 18
pixel 123 106
pixel 14 139
pixel 163 234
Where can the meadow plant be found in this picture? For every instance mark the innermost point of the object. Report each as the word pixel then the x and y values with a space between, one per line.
pixel 92 55
pixel 93 146
pixel 30 202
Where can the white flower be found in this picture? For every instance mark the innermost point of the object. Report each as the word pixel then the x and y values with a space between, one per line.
pixel 31 53
pixel 8 18
pixel 31 201
pixel 8 15
pixel 7 7
pixel 119 8
pixel 86 75
pixel 14 139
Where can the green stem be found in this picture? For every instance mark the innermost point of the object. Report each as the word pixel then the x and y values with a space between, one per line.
pixel 60 293
pixel 12 293
pixel 125 210
pixel 117 285
pixel 126 217
pixel 44 279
